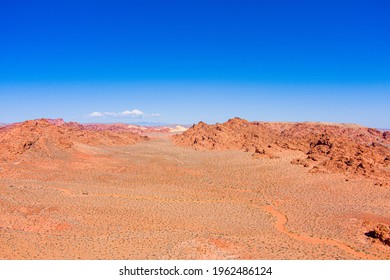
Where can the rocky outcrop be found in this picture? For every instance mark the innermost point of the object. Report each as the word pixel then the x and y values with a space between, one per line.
pixel 344 148
pixel 55 138
pixel 382 233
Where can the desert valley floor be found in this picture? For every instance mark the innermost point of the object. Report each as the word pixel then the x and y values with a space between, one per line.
pixel 158 200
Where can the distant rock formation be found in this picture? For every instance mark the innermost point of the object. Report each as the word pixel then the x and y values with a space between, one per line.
pixel 127 127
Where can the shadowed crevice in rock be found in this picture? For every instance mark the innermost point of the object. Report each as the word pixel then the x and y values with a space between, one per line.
pixel 381 232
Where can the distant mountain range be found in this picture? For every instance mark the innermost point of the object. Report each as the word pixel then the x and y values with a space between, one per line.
pixel 147 124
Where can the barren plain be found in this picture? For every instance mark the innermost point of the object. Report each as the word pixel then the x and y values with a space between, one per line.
pixel 237 190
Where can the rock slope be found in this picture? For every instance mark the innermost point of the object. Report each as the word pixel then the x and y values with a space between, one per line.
pixel 344 148
pixel 55 138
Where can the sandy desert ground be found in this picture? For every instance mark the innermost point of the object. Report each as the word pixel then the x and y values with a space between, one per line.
pixel 194 196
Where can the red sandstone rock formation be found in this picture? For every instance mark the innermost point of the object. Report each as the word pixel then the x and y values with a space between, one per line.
pixel 235 134
pixel 342 148
pixel 55 138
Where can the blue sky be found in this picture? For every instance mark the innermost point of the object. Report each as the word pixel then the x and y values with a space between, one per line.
pixel 186 61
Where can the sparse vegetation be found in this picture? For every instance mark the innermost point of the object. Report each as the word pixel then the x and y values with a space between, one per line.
pixel 156 200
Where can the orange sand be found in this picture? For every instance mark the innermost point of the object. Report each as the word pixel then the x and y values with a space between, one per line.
pixel 156 200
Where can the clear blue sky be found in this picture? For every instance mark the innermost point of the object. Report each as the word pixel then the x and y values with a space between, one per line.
pixel 186 61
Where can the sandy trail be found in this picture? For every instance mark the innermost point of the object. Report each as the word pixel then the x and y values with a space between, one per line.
pixel 280 225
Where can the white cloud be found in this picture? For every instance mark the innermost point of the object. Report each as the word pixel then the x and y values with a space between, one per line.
pixel 135 112
pixel 96 115
pixel 125 114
